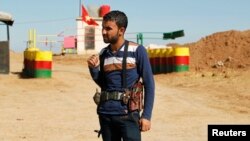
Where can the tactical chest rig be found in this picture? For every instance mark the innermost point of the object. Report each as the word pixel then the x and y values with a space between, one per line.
pixel 132 97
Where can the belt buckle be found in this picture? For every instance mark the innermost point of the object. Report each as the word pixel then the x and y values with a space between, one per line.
pixel 126 96
pixel 115 95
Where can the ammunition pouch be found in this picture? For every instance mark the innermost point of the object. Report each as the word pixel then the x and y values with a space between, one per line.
pixel 97 97
pixel 136 97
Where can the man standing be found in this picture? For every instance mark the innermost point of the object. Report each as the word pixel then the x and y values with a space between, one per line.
pixel 116 119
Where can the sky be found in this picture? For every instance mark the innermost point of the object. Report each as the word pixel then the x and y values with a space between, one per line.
pixel 198 19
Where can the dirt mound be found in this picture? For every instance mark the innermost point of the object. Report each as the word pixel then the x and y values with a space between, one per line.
pixel 229 49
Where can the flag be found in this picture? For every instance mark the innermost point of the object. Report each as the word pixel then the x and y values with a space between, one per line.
pixel 86 18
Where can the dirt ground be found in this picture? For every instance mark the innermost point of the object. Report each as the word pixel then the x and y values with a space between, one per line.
pixel 61 108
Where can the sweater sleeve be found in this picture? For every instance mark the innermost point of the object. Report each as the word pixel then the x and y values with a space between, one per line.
pixel 145 71
pixel 95 74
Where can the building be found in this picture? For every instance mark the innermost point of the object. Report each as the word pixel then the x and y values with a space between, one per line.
pixel 5 18
pixel 89 37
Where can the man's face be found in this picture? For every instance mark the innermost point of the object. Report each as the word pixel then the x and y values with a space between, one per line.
pixel 110 32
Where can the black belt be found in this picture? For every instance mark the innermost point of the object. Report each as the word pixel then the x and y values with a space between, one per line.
pixel 115 95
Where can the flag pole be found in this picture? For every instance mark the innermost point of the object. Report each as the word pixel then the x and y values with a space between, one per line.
pixel 80 4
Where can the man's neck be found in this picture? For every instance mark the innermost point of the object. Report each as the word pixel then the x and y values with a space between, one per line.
pixel 115 47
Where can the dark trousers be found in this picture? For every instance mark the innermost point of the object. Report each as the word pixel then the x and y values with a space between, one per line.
pixel 120 128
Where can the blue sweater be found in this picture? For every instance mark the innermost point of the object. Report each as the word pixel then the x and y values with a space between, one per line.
pixel 138 66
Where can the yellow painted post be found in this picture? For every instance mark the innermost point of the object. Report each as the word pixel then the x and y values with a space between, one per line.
pixel 152 60
pixel 163 60
pixel 30 39
pixel 169 63
pixel 34 38
pixel 157 60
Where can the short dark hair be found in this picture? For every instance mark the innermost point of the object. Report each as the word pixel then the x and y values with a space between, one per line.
pixel 119 17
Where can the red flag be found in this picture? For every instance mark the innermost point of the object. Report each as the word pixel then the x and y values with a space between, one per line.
pixel 86 18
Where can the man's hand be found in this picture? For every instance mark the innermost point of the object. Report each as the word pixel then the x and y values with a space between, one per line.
pixel 93 61
pixel 145 124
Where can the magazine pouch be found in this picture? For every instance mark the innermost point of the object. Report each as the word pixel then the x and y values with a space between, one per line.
pixel 136 97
